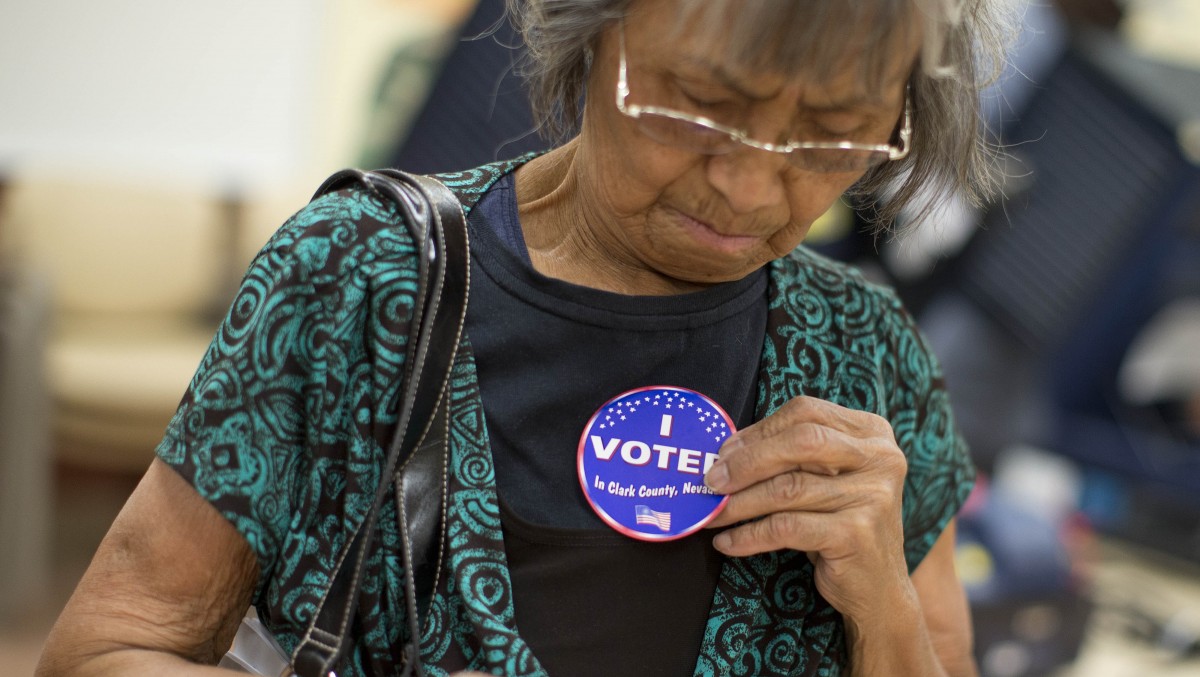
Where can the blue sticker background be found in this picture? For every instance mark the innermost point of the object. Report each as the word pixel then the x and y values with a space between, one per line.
pixel 642 459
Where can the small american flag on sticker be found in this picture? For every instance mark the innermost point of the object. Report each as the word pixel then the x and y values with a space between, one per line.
pixel 645 515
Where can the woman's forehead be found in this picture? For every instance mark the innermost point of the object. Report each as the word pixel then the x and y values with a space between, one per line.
pixel 848 88
pixel 860 47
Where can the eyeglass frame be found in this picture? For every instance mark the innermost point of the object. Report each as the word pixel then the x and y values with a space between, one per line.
pixel 741 136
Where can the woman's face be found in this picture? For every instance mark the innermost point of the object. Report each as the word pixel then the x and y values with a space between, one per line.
pixel 704 219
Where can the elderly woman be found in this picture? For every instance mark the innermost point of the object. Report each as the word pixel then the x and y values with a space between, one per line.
pixel 659 245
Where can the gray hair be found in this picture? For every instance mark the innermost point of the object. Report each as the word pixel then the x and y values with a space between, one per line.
pixel 965 42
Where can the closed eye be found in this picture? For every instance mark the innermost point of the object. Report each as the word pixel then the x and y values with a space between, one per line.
pixel 705 98
pixel 839 126
pixel 836 133
pixel 702 102
pixel 868 124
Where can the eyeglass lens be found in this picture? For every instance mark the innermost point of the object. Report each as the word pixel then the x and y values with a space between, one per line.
pixel 695 137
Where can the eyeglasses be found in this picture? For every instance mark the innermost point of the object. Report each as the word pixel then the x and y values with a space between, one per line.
pixel 699 134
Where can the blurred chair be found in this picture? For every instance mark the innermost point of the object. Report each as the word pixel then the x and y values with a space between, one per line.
pixel 25 477
pixel 134 271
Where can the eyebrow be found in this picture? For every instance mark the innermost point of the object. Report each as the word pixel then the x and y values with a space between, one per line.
pixel 729 80
pixel 732 82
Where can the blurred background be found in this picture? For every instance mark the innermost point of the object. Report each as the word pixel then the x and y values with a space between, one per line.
pixel 147 150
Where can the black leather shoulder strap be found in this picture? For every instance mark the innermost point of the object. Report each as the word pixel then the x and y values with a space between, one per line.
pixel 438 227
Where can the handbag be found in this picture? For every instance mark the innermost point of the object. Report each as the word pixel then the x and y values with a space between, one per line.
pixel 417 457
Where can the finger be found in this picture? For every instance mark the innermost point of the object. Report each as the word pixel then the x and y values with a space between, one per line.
pixel 804 531
pixel 789 491
pixel 806 409
pixel 807 447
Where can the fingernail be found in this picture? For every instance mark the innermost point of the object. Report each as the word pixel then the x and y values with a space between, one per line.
pixel 723 541
pixel 717 477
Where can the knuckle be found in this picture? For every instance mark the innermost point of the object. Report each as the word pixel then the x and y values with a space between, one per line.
pixel 881 492
pixel 796 403
pixel 877 423
pixel 786 416
pixel 872 418
pixel 778 527
pixel 860 455
pixel 809 435
pixel 785 488
pixel 799 407
pixel 893 460
pixel 861 522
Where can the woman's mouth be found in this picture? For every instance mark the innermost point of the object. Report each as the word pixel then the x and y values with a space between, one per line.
pixel 708 237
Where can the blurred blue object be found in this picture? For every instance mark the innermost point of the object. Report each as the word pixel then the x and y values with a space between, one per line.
pixel 477 111
pixel 1019 569
pixel 1028 558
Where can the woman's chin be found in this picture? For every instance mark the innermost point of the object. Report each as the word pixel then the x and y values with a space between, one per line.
pixel 707 270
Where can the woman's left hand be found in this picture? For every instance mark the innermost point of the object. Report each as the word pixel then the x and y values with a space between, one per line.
pixel 826 480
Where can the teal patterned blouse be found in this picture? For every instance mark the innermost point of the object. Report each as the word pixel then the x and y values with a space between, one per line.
pixel 288 418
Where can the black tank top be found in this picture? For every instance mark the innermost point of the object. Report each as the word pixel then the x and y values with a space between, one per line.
pixel 588 600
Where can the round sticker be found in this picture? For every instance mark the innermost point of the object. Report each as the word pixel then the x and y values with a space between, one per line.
pixel 642 460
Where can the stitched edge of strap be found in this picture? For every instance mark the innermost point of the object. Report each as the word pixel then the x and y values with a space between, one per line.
pixel 371 181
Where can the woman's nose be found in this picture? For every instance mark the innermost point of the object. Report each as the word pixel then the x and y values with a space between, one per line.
pixel 748 178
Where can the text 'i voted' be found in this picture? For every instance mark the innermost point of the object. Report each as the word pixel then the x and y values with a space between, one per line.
pixel 642 459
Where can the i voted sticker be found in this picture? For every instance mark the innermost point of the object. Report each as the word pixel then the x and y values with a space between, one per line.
pixel 642 460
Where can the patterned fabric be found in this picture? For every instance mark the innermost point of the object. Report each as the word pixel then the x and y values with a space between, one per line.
pixel 287 421
pixel 832 335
